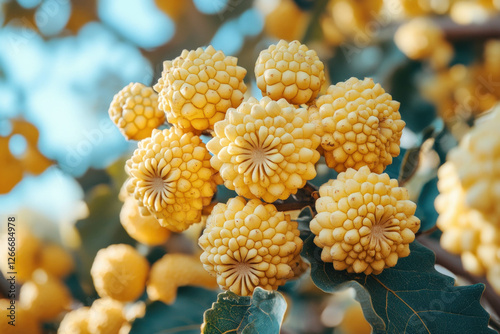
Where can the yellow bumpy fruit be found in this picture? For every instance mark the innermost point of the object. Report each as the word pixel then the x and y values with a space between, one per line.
pixel 265 149
pixel 469 186
pixel 173 271
pixel 198 87
pixel 290 71
pixel 106 317
pixel 61 267
pixel 75 322
pixel 25 322
pixel 145 229
pixel 44 296
pixel 119 272
pixel 250 244
pixel 477 160
pixel 365 222
pixel 359 125
pixel 135 111
pixel 171 177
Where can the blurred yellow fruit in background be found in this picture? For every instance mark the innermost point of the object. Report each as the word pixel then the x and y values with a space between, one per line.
pixel 173 271
pixel 106 317
pixel 44 295
pixel 25 322
pixel 145 229
pixel 119 272
pixel 56 260
pixel 75 322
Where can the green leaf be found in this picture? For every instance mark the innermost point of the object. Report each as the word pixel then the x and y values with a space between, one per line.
pixel 412 297
pixel 425 205
pixel 185 316
pixel 394 169
pixel 262 313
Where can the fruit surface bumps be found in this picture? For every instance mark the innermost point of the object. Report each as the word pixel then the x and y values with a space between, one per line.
pixel 171 177
pixel 265 149
pixel 250 244
pixel 135 112
pixel 291 71
pixel 359 124
pixel 198 87
pixel 365 222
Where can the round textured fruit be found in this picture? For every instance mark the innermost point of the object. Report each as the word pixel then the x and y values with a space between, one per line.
pixel 119 272
pixel 25 322
pixel 145 229
pixel 359 124
pixel 250 244
pixel 44 295
pixel 265 149
pixel 365 222
pixel 106 317
pixel 75 322
pixel 171 178
pixel 181 270
pixel 468 186
pixel 135 111
pixel 56 261
pixel 198 87
pixel 290 71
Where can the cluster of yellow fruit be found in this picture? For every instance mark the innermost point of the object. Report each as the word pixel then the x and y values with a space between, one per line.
pixel 31 161
pixel 120 274
pixel 266 150
pixel 462 92
pixel 469 184
pixel 40 269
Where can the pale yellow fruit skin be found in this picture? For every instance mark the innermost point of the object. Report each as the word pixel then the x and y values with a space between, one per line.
pixel 119 272
pixel 56 260
pixel 75 322
pixel 26 322
pixel 173 271
pixel 45 296
pixel 286 21
pixel 354 321
pixel 27 253
pixel 171 178
pixel 106 317
pixel 359 124
pixel 145 229
pixel 365 222
pixel 135 111
pixel 356 18
pixel 467 205
pixel 265 149
pixel 250 244
pixel 290 71
pixel 198 87
pixel 421 38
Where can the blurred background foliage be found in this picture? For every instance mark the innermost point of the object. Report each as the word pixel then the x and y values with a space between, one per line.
pixel 61 62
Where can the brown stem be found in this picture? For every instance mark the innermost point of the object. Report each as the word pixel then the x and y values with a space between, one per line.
pixel 459 32
pixel 454 264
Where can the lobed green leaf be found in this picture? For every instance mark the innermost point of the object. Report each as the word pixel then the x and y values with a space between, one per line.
pixel 411 297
